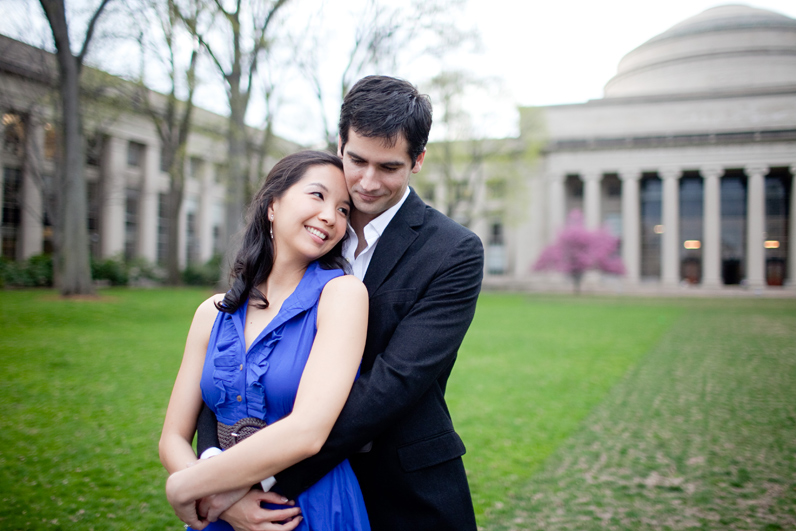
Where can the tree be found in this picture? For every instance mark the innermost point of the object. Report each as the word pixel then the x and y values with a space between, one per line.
pixel 465 170
pixel 72 243
pixel 385 35
pixel 577 250
pixel 235 48
pixel 173 120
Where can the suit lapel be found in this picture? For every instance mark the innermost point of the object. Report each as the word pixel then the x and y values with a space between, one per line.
pixel 394 242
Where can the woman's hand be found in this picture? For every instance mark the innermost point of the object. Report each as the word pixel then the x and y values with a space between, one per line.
pixel 247 515
pixel 185 507
pixel 212 506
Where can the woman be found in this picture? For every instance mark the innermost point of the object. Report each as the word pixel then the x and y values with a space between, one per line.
pixel 283 346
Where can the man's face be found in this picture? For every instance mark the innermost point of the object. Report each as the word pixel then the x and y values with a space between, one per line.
pixel 376 174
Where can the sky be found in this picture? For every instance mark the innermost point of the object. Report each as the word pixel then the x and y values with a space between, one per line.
pixel 536 53
pixel 562 52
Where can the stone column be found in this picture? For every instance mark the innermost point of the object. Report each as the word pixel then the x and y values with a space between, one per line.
pixel 557 206
pixel 670 251
pixel 31 226
pixel 711 222
pixel 791 279
pixel 148 207
pixel 631 224
pixel 755 225
pixel 591 199
pixel 112 207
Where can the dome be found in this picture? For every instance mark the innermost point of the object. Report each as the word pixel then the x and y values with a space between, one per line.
pixel 723 49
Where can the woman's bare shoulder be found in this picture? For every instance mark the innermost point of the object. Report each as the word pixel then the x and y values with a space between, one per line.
pixel 345 286
pixel 343 293
pixel 207 311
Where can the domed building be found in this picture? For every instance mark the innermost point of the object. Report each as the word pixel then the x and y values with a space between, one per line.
pixel 689 158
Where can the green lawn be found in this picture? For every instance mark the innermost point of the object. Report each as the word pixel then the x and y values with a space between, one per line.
pixel 84 389
pixel 578 413
pixel 699 433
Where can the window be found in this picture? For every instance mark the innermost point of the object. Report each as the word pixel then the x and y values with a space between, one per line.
pixel 50 142
pixel 164 159
pixel 221 173
pixel 651 199
pixel 191 231
pixel 195 166
pixel 163 228
pixel 93 149
pixel 93 189
pixel 131 223
pixel 13 133
pixel 496 189
pixel 218 227
pixel 496 251
pixel 12 182
pixel 135 154
pixel 496 234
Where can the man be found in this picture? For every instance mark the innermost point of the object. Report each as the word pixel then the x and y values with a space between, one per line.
pixel 423 274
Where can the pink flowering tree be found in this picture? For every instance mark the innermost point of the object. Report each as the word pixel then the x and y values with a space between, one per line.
pixel 578 249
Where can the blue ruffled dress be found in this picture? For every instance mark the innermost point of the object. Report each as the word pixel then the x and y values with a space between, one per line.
pixel 263 382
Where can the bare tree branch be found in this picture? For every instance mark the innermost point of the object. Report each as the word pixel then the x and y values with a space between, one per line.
pixel 90 31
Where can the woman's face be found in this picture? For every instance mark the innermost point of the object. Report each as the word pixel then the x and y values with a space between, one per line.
pixel 312 215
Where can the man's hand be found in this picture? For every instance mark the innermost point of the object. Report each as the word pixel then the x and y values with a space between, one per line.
pixel 211 507
pixel 247 515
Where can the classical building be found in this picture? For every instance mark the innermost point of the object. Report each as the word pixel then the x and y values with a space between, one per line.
pixel 689 158
pixel 127 183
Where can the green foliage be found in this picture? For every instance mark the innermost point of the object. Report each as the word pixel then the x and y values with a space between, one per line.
pixel 206 274
pixel 113 270
pixel 141 269
pixel 36 271
pixel 117 271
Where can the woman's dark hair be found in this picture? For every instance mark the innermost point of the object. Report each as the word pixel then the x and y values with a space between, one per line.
pixel 256 256
pixel 384 107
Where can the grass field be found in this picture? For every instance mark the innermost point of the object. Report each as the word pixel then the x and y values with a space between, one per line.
pixel 578 413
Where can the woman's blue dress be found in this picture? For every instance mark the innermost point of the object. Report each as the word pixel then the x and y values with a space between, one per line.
pixel 263 382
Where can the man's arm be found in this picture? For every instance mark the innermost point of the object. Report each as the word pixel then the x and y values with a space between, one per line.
pixel 424 345
pixel 206 430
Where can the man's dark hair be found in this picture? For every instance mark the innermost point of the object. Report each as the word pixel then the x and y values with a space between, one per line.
pixel 384 107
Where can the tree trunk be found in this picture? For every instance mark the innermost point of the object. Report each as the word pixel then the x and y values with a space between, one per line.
pixel 74 267
pixel 237 179
pixel 73 252
pixel 174 202
pixel 577 276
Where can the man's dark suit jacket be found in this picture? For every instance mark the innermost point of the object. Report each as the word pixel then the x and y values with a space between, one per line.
pixel 423 280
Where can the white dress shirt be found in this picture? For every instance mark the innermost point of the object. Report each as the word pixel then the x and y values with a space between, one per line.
pixel 372 233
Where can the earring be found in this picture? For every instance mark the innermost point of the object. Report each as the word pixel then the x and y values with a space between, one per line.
pixel 271 219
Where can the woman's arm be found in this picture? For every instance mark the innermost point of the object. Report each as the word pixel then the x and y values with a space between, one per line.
pixel 325 383
pixel 179 426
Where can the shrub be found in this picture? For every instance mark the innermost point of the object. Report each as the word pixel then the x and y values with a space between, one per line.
pixel 141 269
pixel 206 274
pixel 114 270
pixel 36 271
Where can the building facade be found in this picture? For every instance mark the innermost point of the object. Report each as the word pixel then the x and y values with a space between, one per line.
pixel 127 182
pixel 689 158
